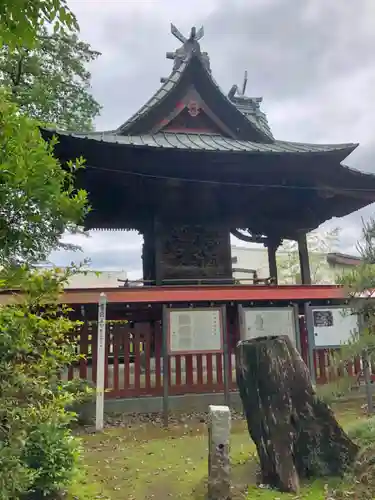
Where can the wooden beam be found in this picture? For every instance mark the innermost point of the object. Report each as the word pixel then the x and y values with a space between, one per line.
pixel 304 259
pixel 272 263
pixel 193 293
pixel 248 238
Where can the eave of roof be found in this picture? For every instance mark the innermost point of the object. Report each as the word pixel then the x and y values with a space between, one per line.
pixel 343 259
pixel 204 142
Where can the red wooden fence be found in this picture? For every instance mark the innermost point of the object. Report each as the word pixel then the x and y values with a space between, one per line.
pixel 134 364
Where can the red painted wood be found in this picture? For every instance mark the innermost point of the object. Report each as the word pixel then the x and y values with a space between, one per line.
pixel 189 370
pixel 230 368
pixel 158 346
pixel 350 368
pixel 126 350
pixel 329 365
pixel 137 359
pixel 210 380
pixel 94 347
pixel 169 372
pixel 150 334
pixel 106 360
pixel 322 365
pixel 357 366
pixel 83 350
pixel 227 293
pixel 219 369
pixel 178 369
pixel 200 369
pixel 147 348
pixel 116 355
pixel 192 130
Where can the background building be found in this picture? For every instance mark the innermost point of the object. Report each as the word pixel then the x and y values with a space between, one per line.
pixel 325 267
pixel 248 263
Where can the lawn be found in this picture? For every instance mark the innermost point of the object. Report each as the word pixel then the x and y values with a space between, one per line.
pixel 147 462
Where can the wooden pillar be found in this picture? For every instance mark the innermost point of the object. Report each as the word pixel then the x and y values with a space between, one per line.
pixel 158 249
pixel 272 264
pixel 304 259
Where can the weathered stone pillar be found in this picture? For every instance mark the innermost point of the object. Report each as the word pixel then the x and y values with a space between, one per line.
pixel 219 426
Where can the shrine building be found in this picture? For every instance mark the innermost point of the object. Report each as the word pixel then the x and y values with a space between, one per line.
pixel 193 166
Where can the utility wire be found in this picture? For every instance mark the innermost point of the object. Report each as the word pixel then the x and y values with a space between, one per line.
pixel 233 184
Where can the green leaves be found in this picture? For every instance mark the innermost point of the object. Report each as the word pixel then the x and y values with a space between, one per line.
pixel 319 245
pixel 50 82
pixel 20 20
pixel 37 450
pixel 38 200
pixel 45 74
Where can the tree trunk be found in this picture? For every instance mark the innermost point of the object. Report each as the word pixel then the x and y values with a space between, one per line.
pixel 296 434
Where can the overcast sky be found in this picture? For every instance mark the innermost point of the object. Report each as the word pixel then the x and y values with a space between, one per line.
pixel 313 61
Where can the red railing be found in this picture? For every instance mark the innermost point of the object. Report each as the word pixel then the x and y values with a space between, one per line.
pixel 134 363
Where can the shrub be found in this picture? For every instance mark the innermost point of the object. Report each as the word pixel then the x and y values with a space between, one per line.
pixel 363 432
pixel 38 454
pixel 52 453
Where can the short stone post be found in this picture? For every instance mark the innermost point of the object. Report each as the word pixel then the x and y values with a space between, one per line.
pixel 219 426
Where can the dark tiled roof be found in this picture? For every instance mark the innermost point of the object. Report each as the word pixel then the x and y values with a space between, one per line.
pixel 167 86
pixel 206 142
pixel 250 108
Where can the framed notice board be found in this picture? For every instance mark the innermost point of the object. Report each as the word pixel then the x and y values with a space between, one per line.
pixel 270 321
pixel 331 326
pixel 195 330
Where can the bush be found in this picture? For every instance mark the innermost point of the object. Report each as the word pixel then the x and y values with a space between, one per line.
pixel 363 432
pixel 52 452
pixel 38 454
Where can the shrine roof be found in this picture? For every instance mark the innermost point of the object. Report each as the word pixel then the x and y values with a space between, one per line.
pixel 166 87
pixel 205 142
pixel 191 72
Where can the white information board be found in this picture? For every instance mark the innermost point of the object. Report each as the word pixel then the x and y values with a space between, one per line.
pixel 194 330
pixel 334 326
pixel 268 321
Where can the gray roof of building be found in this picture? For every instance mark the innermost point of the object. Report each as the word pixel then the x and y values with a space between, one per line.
pixel 165 88
pixel 256 117
pixel 249 109
pixel 205 142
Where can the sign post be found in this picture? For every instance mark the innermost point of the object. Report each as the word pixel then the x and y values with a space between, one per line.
pixel 226 354
pixel 99 422
pixel 165 354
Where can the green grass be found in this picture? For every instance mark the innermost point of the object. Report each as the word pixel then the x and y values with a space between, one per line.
pixel 147 462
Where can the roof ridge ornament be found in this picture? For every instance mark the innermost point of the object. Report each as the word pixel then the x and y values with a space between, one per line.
pixel 236 92
pixel 189 46
pixel 194 34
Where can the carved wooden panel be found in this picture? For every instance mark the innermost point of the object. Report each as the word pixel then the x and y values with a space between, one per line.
pixel 193 252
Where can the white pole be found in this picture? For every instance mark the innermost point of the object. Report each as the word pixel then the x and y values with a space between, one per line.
pixel 99 424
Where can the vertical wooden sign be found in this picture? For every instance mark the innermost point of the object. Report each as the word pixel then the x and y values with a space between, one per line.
pixel 102 312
